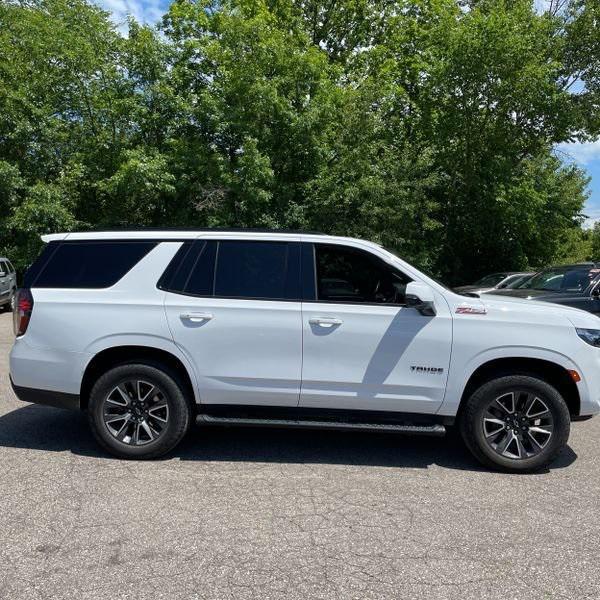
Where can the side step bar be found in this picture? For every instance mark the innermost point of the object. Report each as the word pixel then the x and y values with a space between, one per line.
pixel 430 430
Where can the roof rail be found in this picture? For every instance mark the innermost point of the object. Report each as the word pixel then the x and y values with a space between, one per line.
pixel 200 229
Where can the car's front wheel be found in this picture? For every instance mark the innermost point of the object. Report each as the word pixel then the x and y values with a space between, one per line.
pixel 515 423
pixel 138 411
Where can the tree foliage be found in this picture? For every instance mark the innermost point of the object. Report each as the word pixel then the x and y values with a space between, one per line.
pixel 425 125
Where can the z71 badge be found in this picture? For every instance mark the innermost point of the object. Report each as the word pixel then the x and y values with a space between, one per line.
pixel 432 370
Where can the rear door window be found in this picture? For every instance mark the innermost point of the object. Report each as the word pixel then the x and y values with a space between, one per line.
pixel 192 269
pixel 86 264
pixel 201 278
pixel 259 270
pixel 235 269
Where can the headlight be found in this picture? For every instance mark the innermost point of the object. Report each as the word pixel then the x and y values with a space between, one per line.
pixel 591 336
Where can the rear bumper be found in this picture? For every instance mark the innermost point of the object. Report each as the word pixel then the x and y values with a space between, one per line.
pixel 47 369
pixel 46 397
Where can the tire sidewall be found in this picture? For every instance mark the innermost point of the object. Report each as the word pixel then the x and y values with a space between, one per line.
pixel 472 422
pixel 179 410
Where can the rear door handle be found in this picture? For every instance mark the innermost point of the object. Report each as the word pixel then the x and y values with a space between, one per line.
pixel 325 321
pixel 196 317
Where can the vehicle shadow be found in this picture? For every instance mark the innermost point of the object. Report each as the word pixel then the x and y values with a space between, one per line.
pixel 55 430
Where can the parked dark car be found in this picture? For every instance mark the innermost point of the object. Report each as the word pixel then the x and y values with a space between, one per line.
pixel 494 281
pixel 572 285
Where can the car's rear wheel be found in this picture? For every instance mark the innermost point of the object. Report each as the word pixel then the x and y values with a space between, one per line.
pixel 138 411
pixel 515 423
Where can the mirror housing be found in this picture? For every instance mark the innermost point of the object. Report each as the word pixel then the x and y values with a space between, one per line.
pixel 420 297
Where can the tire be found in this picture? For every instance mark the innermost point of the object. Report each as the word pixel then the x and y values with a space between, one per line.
pixel 165 411
pixel 487 424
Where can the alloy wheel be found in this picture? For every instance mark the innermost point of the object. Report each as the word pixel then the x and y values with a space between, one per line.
pixel 517 425
pixel 136 412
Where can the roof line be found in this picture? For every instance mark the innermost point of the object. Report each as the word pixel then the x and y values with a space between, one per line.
pixel 200 229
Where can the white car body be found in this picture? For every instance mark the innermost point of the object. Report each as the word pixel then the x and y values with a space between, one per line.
pixel 295 353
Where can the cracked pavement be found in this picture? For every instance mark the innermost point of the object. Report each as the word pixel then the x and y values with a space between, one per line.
pixel 261 513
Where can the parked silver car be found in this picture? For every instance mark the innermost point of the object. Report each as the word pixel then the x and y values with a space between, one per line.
pixel 495 281
pixel 8 284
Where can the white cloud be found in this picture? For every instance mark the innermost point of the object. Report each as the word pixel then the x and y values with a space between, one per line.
pixel 581 152
pixel 144 11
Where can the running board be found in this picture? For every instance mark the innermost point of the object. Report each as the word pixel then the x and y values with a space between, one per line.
pixel 430 430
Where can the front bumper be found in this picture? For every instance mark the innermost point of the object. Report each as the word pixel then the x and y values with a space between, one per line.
pixel 46 397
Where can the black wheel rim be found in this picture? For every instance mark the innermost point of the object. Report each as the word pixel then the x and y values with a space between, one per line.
pixel 517 425
pixel 136 412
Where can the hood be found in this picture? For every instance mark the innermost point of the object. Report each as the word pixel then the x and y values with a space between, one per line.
pixel 509 302
pixel 516 307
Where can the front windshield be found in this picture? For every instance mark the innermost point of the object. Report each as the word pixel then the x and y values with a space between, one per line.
pixel 562 279
pixel 517 282
pixel 490 280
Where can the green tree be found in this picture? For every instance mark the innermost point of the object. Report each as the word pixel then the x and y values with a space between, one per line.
pixel 425 125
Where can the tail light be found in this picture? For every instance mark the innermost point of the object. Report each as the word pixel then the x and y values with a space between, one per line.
pixel 23 310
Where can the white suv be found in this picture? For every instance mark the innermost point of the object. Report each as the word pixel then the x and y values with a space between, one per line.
pixel 148 330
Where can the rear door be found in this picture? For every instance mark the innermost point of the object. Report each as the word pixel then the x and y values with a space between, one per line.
pixel 364 349
pixel 234 309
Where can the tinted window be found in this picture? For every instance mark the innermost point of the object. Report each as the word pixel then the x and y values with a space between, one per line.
pixel 3 267
pixel 34 270
pixel 176 273
pixel 201 279
pixel 89 264
pixel 257 270
pixel 563 279
pixel 347 274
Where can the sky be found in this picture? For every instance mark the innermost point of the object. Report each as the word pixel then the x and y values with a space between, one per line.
pixel 144 11
pixel 585 155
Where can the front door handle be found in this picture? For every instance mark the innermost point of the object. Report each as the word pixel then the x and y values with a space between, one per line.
pixel 325 321
pixel 196 317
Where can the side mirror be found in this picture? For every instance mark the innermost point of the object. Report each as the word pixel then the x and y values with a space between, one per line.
pixel 596 292
pixel 420 297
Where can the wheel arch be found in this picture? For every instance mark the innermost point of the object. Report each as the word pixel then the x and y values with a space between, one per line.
pixel 117 355
pixel 551 372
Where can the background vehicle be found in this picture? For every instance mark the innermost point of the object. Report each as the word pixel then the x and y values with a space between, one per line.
pixel 517 281
pixel 8 284
pixel 149 330
pixel 494 281
pixel 571 285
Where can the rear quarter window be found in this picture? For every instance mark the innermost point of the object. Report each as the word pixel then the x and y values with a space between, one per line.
pixel 85 264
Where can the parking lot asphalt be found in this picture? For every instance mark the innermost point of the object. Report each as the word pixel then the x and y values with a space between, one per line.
pixel 260 513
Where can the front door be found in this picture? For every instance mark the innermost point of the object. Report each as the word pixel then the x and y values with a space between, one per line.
pixel 363 348
pixel 237 317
